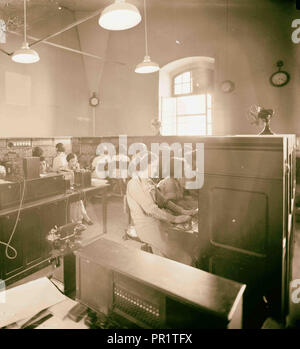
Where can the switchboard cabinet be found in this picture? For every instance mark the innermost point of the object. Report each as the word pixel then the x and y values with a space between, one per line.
pixel 246 218
pixel 150 291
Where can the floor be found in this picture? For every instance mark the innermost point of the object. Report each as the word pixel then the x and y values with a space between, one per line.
pixel 117 223
pixel 117 220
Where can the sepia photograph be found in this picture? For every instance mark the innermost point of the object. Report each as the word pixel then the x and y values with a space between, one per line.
pixel 149 167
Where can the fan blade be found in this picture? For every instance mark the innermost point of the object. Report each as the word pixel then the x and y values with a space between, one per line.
pixel 70 26
pixel 65 48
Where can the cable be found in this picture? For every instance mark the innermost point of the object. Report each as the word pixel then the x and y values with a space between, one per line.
pixel 8 244
pixel 66 207
pixel 25 22
pixel 146 34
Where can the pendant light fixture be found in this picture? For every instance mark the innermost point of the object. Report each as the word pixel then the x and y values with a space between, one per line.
pixel 119 16
pixel 25 55
pixel 146 66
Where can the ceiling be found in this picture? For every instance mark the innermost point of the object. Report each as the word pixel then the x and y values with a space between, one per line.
pixel 40 11
pixel 14 6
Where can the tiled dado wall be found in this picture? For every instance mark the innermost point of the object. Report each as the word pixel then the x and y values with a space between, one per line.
pixel 85 148
pixel 23 146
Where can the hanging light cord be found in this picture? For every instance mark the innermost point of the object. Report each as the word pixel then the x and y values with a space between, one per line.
pixel 146 37
pixel 227 29
pixel 25 22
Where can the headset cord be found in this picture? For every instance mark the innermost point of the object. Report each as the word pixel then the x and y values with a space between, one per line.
pixel 8 244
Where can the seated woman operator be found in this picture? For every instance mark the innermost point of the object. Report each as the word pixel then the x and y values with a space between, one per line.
pixel 152 223
pixel 101 157
pixel 60 162
pixel 173 189
pixel 2 173
pixel 44 166
pixel 77 209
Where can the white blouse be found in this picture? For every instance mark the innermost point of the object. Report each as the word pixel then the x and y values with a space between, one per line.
pixel 60 162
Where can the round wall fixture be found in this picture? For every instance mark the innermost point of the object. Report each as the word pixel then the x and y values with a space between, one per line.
pixel 227 86
pixel 94 100
pixel 279 78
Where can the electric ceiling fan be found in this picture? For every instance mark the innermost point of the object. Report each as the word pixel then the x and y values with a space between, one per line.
pixel 27 47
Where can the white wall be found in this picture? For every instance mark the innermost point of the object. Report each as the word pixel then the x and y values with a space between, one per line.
pixel 59 96
pixel 62 82
pixel 258 36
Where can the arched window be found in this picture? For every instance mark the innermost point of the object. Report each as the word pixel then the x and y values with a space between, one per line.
pixel 187 108
pixel 182 84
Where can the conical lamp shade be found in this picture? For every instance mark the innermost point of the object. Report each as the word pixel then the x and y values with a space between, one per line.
pixel 119 16
pixel 25 55
pixel 146 66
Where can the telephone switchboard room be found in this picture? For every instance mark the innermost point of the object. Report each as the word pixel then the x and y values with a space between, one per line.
pixel 149 164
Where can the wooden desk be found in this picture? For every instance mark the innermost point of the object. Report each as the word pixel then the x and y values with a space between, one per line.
pixel 36 220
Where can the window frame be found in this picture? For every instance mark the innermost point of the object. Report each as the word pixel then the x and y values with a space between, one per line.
pixel 207 123
pixel 173 95
pixel 173 83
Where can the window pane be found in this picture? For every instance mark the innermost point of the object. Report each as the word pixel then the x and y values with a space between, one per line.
pixel 191 105
pixel 168 128
pixel 169 105
pixel 186 77
pixel 177 89
pixel 186 88
pixel 183 84
pixel 191 125
pixel 208 101
pixel 209 130
pixel 178 79
pixel 209 116
pixel 168 116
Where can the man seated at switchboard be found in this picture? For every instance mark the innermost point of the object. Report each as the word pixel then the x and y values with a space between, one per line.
pixel 152 223
pixel 77 209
